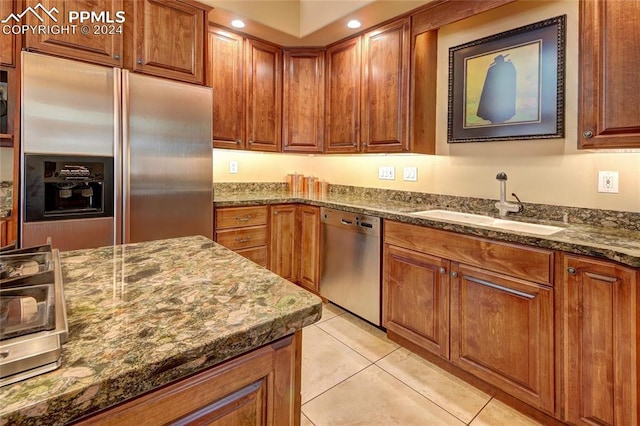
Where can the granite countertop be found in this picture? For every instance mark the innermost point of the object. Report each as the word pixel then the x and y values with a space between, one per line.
pixel 587 235
pixel 143 315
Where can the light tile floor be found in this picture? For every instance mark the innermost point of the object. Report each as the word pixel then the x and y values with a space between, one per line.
pixel 353 375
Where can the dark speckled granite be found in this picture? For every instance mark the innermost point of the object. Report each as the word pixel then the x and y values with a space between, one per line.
pixel 606 234
pixel 143 315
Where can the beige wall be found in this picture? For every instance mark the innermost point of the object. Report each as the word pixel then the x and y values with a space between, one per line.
pixel 549 171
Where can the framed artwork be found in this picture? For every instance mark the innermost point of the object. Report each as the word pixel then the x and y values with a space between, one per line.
pixel 509 86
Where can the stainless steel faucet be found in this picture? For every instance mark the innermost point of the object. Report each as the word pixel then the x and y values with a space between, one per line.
pixel 503 206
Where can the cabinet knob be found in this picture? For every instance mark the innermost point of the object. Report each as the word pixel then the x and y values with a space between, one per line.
pixel 139 61
pixel 250 141
pixel 239 141
pixel 454 274
pixel 275 213
pixel 587 134
pixel 571 270
pixel 442 270
pixel 116 57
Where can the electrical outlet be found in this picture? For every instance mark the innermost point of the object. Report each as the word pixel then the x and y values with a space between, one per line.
pixel 608 182
pixel 411 174
pixel 233 167
pixel 387 173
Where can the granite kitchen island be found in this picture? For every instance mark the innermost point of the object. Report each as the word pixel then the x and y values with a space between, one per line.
pixel 145 316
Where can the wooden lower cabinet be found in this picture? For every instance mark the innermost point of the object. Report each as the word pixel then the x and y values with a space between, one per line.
pixel 309 251
pixel 601 340
pixel 261 387
pixel 244 230
pixel 416 298
pixel 284 241
pixel 502 332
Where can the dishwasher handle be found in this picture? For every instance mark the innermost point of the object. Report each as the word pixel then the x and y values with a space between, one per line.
pixel 346 222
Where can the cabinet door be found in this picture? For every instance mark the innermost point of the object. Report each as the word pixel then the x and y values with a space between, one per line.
pixel 502 332
pixel 416 298
pixel 284 242
pixel 168 39
pixel 264 96
pixel 226 77
pixel 102 44
pixel 609 60
pixel 303 109
pixel 7 42
pixel 342 127
pixel 385 88
pixel 309 247
pixel 600 327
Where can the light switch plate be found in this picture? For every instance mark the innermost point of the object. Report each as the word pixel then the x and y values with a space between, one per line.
pixel 386 173
pixel 608 182
pixel 411 174
pixel 233 167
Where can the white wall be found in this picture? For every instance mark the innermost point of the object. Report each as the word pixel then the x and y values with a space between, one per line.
pixel 549 171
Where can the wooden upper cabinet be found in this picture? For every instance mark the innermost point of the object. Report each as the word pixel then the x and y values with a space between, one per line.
pixel 343 77
pixel 263 96
pixel 102 44
pixel 226 77
pixel 303 103
pixel 609 108
pixel 385 88
pixel 168 39
pixel 600 317
pixel 7 42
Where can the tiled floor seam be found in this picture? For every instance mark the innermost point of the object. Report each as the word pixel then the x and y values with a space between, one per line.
pixel 337 384
pixel 478 413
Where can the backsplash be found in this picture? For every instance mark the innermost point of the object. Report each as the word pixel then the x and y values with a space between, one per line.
pixel 6 198
pixel 223 188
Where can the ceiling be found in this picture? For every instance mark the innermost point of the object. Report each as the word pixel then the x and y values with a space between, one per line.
pixel 306 22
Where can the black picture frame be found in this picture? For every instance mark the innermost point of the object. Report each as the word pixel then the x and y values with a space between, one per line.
pixel 509 86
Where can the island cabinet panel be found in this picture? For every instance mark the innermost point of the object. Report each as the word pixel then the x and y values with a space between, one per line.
pixel 258 388
pixel 385 88
pixel 600 329
pixel 168 39
pixel 303 104
pixel 102 44
pixel 284 241
pixel 344 78
pixel 309 254
pixel 263 96
pixel 416 298
pixel 226 77
pixel 502 332
pixel 244 230
pixel 609 110
pixel 8 46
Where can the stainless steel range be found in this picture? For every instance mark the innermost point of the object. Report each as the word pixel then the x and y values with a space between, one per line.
pixel 33 320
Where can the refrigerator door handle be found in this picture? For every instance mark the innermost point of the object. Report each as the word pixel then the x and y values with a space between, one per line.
pixel 117 155
pixel 126 141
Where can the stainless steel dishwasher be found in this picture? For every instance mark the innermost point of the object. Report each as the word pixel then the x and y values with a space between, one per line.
pixel 350 262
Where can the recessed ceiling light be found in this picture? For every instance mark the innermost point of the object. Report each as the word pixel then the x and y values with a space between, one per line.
pixel 236 23
pixel 353 23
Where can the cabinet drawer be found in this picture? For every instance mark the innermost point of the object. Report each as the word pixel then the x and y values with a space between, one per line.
pixel 235 217
pixel 255 254
pixel 518 261
pixel 234 239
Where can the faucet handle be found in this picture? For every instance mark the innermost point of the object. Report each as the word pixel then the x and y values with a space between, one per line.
pixel 501 176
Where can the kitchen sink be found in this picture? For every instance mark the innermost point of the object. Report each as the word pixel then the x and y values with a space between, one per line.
pixel 478 219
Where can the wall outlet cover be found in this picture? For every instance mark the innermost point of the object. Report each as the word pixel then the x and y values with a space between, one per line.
pixel 387 173
pixel 233 167
pixel 410 174
pixel 608 182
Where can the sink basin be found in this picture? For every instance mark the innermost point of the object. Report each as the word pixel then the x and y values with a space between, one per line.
pixel 478 219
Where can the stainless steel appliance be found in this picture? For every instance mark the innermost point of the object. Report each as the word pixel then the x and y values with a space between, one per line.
pixel 350 262
pixel 156 133
pixel 33 320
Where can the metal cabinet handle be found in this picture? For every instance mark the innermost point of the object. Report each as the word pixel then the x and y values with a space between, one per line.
pixel 443 270
pixel 571 270
pixel 454 274
pixel 243 239
pixel 116 57
pixel 243 218
pixel 587 134
pixel 139 61
pixel 4 354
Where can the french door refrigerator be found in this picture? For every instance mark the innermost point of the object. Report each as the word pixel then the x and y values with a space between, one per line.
pixel 156 131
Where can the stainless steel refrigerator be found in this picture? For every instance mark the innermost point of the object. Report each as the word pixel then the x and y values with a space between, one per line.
pixel 156 132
